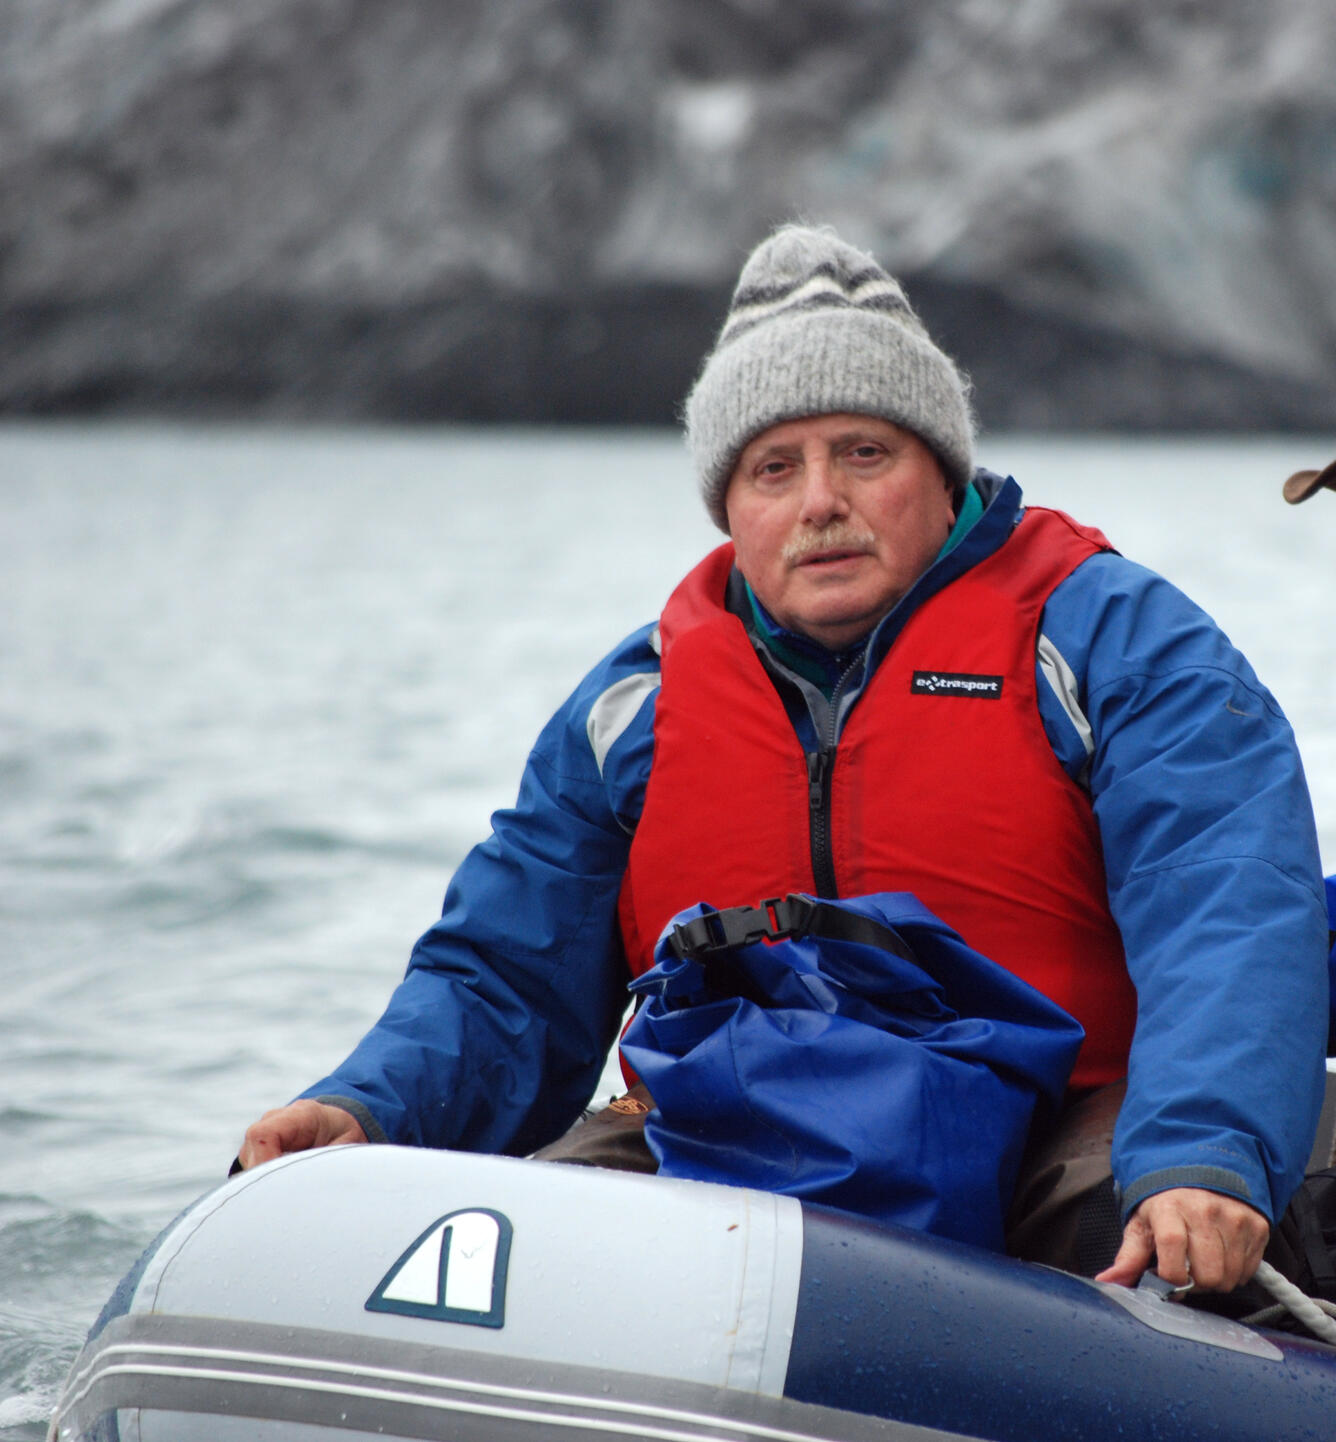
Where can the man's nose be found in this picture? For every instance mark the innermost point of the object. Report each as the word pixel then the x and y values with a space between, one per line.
pixel 823 495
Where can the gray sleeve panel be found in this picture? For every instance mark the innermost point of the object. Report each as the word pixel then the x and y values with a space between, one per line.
pixel 614 711
pixel 1064 687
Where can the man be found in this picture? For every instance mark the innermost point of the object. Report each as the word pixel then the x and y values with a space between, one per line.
pixel 897 679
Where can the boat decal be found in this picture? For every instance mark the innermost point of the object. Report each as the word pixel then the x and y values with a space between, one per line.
pixel 454 1272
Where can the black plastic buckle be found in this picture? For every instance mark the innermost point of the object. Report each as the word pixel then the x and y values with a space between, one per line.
pixel 774 919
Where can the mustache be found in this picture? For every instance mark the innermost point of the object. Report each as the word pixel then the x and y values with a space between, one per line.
pixel 838 536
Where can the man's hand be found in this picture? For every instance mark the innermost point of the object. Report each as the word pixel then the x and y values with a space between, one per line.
pixel 297 1127
pixel 1211 1240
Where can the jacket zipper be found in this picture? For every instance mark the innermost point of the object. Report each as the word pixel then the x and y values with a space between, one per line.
pixel 820 764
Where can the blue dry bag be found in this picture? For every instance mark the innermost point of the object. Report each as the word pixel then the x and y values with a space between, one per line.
pixel 855 1053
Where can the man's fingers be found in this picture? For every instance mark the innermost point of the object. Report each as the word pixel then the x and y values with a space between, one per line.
pixel 1133 1256
pixel 1206 1238
pixel 297 1128
pixel 264 1141
pixel 1171 1248
pixel 1210 1264
pixel 1226 1238
pixel 1244 1245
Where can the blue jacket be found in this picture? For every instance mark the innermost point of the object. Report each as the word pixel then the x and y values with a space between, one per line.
pixel 496 1037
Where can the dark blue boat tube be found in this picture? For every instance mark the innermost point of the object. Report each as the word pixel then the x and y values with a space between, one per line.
pixel 891 1324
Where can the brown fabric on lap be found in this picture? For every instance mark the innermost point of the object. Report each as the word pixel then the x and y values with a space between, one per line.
pixel 1061 1175
pixel 613 1137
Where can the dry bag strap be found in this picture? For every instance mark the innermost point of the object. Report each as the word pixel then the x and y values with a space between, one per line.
pixel 778 919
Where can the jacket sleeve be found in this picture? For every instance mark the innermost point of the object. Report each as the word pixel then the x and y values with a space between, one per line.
pixel 496 1036
pixel 1214 880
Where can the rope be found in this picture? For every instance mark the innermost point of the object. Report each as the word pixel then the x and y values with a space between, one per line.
pixel 1269 1316
pixel 1315 1315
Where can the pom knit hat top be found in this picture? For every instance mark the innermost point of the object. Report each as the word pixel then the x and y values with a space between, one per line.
pixel 817 327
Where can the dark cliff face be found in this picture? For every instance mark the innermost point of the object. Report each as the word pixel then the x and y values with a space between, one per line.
pixel 1111 213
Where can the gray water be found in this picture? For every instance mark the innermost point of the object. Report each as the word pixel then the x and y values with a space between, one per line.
pixel 260 690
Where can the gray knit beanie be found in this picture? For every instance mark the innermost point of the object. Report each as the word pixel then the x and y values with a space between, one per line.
pixel 818 327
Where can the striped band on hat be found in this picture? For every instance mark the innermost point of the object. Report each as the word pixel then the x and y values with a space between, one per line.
pixel 872 290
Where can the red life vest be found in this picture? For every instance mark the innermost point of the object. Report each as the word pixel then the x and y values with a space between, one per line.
pixel 943 784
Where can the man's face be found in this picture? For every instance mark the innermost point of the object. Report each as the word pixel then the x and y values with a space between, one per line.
pixel 833 518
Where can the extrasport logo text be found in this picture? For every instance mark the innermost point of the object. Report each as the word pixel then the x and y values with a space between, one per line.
pixel 956 683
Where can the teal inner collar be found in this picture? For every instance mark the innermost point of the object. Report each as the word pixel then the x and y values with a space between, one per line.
pixel 817 663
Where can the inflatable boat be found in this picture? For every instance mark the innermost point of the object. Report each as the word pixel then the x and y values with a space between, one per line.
pixel 381 1292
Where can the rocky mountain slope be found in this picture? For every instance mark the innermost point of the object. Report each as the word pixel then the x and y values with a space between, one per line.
pixel 1113 212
